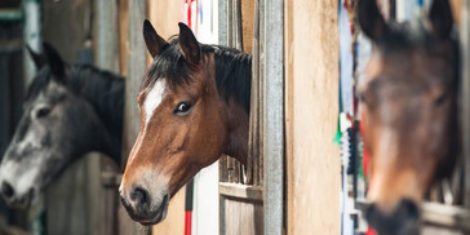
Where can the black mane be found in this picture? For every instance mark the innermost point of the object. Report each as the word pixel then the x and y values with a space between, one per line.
pixel 233 70
pixel 104 90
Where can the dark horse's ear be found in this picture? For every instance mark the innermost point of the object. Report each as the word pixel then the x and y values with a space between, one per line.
pixel 189 46
pixel 38 59
pixel 440 16
pixel 371 20
pixel 54 61
pixel 152 40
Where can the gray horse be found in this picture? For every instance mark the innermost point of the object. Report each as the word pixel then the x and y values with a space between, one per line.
pixel 68 112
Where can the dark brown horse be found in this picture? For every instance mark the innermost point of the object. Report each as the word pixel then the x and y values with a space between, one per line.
pixel 409 110
pixel 194 107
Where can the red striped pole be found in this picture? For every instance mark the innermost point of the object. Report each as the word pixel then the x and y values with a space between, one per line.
pixel 188 208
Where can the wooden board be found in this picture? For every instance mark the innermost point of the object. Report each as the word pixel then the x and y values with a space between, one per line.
pixel 165 15
pixel 77 203
pixel 313 160
pixel 243 217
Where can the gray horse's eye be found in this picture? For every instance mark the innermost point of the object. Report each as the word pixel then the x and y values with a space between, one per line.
pixel 42 112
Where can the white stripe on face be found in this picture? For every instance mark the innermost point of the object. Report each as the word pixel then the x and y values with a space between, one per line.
pixel 154 98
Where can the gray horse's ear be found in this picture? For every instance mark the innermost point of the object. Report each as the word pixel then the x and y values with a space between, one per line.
pixel 188 44
pixel 371 19
pixel 38 59
pixel 152 40
pixel 54 61
pixel 440 16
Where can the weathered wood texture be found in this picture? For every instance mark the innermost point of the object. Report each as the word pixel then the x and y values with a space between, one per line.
pixel 236 212
pixel 465 115
pixel 76 203
pixel 136 65
pixel 165 15
pixel 313 161
pixel 240 186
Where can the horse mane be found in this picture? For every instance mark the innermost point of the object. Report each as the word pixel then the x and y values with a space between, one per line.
pixel 233 70
pixel 104 91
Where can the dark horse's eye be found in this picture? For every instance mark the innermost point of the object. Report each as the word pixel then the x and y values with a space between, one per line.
pixel 42 112
pixel 182 108
pixel 440 100
pixel 361 97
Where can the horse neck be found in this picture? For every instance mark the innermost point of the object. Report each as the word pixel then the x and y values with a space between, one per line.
pixel 233 80
pixel 105 92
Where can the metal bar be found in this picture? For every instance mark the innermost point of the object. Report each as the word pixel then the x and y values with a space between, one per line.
pixel 272 24
pixel 222 9
pixel 11 15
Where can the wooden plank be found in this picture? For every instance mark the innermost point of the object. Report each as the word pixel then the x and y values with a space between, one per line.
pixel 243 218
pixel 241 191
pixel 313 161
pixel 165 15
pixel 102 218
pixel 123 33
pixel 247 21
pixel 135 68
pixel 465 115
pixel 76 203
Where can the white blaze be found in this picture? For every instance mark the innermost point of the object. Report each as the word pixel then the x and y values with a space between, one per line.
pixel 154 98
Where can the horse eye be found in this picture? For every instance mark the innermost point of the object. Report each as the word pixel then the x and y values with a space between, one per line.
pixel 361 97
pixel 182 108
pixel 440 100
pixel 42 112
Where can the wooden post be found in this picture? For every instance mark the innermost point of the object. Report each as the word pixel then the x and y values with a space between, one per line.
pixel 135 71
pixel 313 160
pixel 465 116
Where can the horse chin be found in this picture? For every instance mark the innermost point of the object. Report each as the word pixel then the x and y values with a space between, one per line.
pixel 25 201
pixel 147 219
pixel 403 220
pixel 159 216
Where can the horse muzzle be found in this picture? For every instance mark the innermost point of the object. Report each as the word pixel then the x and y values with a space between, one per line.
pixel 403 220
pixel 15 199
pixel 144 208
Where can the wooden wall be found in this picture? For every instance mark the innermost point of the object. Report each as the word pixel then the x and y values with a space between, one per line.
pixel 165 15
pixel 311 106
pixel 76 203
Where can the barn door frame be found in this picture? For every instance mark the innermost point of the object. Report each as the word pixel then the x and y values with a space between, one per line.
pixel 267 111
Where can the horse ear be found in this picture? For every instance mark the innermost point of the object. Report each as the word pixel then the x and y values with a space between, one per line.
pixel 188 44
pixel 152 40
pixel 38 59
pixel 371 20
pixel 440 16
pixel 54 60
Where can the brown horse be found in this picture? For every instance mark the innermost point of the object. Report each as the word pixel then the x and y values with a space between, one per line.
pixel 194 107
pixel 409 109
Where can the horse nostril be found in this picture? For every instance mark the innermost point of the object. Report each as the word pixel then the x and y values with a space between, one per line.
pixel 7 190
pixel 408 209
pixel 140 196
